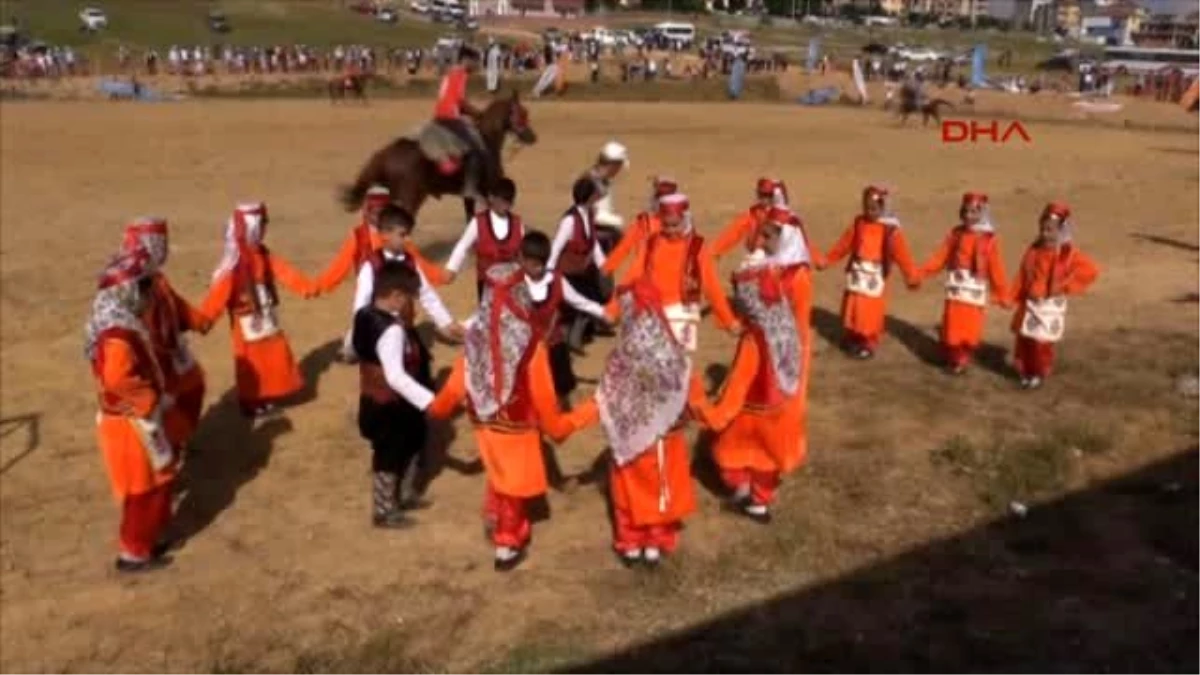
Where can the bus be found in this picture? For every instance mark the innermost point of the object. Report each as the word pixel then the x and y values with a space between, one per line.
pixel 1147 60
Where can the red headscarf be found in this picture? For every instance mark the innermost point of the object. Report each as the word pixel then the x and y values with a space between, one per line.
pixel 148 233
pixel 773 188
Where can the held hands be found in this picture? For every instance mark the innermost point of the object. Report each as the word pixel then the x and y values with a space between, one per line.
pixel 450 276
pixel 454 332
pixel 736 328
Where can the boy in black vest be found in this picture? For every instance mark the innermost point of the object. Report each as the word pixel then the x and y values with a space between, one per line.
pixel 395 379
pixel 576 254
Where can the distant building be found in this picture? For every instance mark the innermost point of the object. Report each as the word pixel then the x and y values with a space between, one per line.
pixel 1169 30
pixel 545 7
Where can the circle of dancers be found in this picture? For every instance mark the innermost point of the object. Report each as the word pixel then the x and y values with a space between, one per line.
pixel 513 375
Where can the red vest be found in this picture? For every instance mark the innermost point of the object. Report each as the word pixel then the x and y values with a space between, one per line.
pixel 110 403
pixel 376 261
pixel 690 288
pixel 577 254
pixel 489 250
pixel 979 257
pixel 886 253
pixel 544 315
pixel 244 299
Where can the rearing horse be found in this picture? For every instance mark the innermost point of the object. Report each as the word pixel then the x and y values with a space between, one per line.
pixel 404 169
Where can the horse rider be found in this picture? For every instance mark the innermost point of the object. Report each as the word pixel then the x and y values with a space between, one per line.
pixel 454 113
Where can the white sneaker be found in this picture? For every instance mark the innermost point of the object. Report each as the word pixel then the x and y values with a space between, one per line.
pixel 652 555
pixel 505 553
pixel 1035 382
pixel 756 509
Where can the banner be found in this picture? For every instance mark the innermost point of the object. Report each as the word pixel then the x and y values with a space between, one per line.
pixel 859 83
pixel 737 78
pixel 493 68
pixel 978 79
pixel 548 76
pixel 814 49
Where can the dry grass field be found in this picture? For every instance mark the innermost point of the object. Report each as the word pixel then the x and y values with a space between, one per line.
pixel 283 572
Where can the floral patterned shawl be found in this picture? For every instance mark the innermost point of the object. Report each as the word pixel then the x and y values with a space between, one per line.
pixel 498 341
pixel 759 298
pixel 644 387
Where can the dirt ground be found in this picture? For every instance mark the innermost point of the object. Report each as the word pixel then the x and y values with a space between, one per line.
pixel 283 570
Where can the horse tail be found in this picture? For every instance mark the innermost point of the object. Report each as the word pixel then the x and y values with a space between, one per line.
pixel 352 195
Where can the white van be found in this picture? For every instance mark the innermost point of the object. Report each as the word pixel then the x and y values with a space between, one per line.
pixel 683 34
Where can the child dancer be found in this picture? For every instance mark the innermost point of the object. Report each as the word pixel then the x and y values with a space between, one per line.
pixel 395 224
pixel 168 317
pixel 873 242
pixel 140 460
pixel 503 375
pixel 971 256
pixel 744 229
pixel 244 286
pixel 394 380
pixel 757 414
pixel 495 233
pixel 644 397
pixel 645 224
pixel 356 250
pixel 1052 268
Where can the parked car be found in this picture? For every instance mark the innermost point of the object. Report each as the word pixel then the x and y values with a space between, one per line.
pixel 93 18
pixel 419 6
pixel 469 24
pixel 363 7
pixel 387 15
pixel 218 23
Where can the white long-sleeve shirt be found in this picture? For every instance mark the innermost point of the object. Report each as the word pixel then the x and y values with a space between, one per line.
pixel 539 290
pixel 566 230
pixel 605 214
pixel 430 301
pixel 390 348
pixel 470 236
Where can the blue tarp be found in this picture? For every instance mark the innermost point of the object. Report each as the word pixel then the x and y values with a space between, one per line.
pixel 118 89
pixel 978 78
pixel 822 96
pixel 737 78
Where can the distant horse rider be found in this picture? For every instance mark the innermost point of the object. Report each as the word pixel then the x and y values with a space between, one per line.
pixel 455 114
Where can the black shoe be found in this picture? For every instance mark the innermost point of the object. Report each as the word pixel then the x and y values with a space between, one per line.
pixel 393 520
pixel 511 563
pixel 164 547
pixel 415 504
pixel 135 566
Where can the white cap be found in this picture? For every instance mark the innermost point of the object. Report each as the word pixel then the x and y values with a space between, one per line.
pixel 614 152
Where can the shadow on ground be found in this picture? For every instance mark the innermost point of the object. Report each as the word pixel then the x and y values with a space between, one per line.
pixel 1102 580
pixel 229 450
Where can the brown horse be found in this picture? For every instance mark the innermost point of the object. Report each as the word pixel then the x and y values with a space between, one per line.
pixel 911 102
pixel 412 177
pixel 343 85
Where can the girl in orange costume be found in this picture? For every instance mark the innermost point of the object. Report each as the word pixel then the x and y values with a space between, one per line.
pixel 167 317
pixel 1051 269
pixel 676 263
pixel 645 224
pixel 971 255
pixel 140 460
pixel 644 397
pixel 757 411
pixel 873 243
pixel 503 375
pixel 744 229
pixel 244 287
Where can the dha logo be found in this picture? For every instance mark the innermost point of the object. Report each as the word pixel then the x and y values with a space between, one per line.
pixel 960 131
